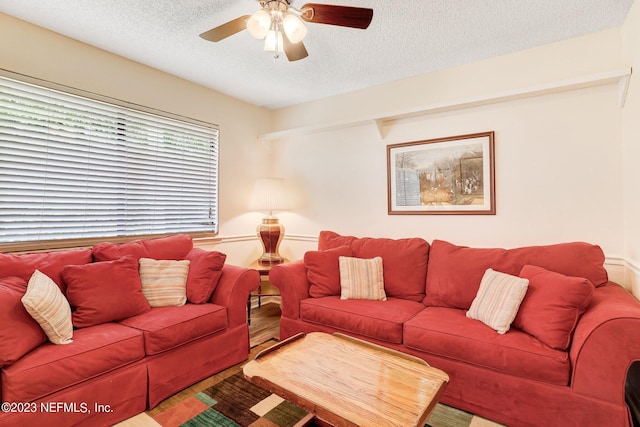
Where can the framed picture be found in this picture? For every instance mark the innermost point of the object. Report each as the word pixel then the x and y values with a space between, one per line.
pixel 453 175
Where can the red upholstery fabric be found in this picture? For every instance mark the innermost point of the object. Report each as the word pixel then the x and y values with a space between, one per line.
pixel 606 339
pixel 177 369
pixel 404 261
pixel 522 402
pixel 552 305
pixel 205 270
pixel 165 328
pixel 323 270
pixel 455 272
pixel 104 291
pixel 50 368
pixel 330 240
pixel 173 247
pixel 49 263
pixel 291 279
pixel 449 333
pixel 404 264
pixel 124 390
pixel 380 320
pixel 19 332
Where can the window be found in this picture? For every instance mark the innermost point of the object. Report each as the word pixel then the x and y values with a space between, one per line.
pixel 77 167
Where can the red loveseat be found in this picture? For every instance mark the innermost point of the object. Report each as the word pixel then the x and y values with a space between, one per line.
pixel 564 361
pixel 125 356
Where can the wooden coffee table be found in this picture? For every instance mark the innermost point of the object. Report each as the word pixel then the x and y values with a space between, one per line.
pixel 349 382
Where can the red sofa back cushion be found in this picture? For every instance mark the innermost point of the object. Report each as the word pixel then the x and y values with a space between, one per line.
pixel 49 263
pixel 455 272
pixel 173 247
pixel 404 261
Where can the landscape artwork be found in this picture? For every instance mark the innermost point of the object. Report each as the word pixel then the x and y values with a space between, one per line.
pixel 453 175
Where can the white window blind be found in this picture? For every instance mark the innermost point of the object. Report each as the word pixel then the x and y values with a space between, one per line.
pixel 75 167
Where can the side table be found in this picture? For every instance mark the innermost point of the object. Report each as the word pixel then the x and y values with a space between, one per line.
pixel 263 269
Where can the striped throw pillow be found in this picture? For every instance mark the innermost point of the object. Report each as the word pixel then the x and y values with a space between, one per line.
pixel 164 282
pixel 361 278
pixel 44 301
pixel 498 299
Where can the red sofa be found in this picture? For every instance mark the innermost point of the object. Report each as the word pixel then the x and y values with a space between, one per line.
pixel 563 362
pixel 117 368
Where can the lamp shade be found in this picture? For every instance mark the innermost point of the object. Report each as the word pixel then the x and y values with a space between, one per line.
pixel 269 195
pixel 273 41
pixel 259 24
pixel 294 28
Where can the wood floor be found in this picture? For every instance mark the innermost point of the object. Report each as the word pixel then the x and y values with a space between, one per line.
pixel 263 331
pixel 265 323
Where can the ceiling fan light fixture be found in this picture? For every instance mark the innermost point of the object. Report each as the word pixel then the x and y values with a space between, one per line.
pixel 294 28
pixel 259 24
pixel 273 42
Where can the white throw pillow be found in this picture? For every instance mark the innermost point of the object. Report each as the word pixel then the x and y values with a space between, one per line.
pixel 361 278
pixel 45 302
pixel 164 282
pixel 498 299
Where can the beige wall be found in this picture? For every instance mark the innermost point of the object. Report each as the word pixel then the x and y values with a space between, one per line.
pixel 39 53
pixel 558 159
pixel 631 149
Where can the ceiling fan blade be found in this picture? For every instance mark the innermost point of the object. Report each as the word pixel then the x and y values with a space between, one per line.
pixel 225 30
pixel 294 51
pixel 344 16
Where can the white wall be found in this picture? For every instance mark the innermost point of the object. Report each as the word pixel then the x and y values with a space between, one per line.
pixel 631 149
pixel 33 51
pixel 558 157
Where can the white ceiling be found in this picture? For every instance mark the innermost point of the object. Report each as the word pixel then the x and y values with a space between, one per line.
pixel 406 38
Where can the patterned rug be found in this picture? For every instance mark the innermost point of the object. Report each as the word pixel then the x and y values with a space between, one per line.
pixel 237 402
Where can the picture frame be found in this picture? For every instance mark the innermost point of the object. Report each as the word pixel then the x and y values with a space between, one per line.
pixel 444 176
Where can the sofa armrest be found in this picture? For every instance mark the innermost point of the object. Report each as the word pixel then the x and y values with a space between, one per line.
pixel 232 291
pixel 291 279
pixel 605 344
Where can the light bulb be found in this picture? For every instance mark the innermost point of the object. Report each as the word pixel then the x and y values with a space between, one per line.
pixel 272 41
pixel 259 24
pixel 294 28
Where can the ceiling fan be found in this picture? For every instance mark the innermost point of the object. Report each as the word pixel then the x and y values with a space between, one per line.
pixel 281 26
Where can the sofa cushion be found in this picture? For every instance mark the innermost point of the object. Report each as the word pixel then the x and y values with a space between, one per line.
pixel 330 240
pixel 165 328
pixel 204 274
pixel 455 272
pixel 323 270
pixel 173 247
pixel 104 291
pixel 49 263
pixel 498 300
pixel 19 332
pixel 552 306
pixel 404 261
pixel 380 320
pixel 164 282
pixel 51 368
pixel 448 333
pixel 44 301
pixel 361 279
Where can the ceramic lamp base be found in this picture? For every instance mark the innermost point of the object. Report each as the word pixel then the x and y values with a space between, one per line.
pixel 270 233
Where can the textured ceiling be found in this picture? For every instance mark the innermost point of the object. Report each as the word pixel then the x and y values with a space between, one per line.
pixel 406 38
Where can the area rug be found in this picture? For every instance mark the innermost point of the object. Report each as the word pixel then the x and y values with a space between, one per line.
pixel 236 402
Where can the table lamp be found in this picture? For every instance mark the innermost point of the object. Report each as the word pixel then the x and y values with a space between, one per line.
pixel 269 195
